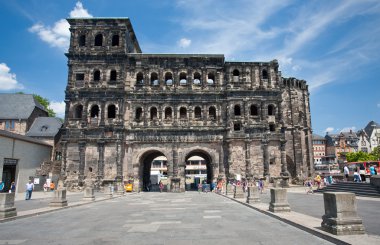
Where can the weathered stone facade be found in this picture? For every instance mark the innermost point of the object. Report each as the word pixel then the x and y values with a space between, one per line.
pixel 124 108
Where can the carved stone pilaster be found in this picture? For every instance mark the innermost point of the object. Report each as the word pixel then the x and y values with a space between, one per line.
pixel 64 158
pixel 101 159
pixel 119 165
pixel 82 160
pixel 265 145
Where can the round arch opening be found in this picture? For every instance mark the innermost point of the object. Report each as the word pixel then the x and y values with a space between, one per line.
pixel 153 169
pixel 198 170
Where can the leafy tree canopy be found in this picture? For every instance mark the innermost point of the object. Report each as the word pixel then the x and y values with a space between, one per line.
pixel 360 156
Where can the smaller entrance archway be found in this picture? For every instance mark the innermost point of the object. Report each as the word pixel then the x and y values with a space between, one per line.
pixel 153 169
pixel 198 170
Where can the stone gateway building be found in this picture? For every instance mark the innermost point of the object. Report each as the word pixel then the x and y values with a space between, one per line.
pixel 124 108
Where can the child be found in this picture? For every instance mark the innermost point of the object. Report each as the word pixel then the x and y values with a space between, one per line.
pixel 310 187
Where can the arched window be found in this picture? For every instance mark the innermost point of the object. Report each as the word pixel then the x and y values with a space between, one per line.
pixel 140 78
pixel 168 113
pixel 82 40
pixel 169 78
pixel 198 112
pixel 182 78
pixel 211 78
pixel 115 40
pixel 98 40
pixel 265 74
pixel 111 111
pixel 182 113
pixel 212 113
pixel 237 110
pixel 94 111
pixel 138 114
pixel 197 78
pixel 78 111
pixel 96 75
pixel 154 79
pixel 113 75
pixel 153 113
pixel 270 110
pixel 253 110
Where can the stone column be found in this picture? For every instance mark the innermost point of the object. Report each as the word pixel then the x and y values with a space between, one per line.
pixel 101 160
pixel 340 216
pixel 175 160
pixel 221 161
pixel 82 161
pixel 67 111
pixel 64 158
pixel 284 168
pixel 265 143
pixel 119 164
pixel 59 199
pixel 248 172
pixel 85 114
pixel 102 113
pixel 7 205
pixel 279 201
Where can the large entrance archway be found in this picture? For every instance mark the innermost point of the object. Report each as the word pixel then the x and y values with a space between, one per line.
pixel 198 169
pixel 153 168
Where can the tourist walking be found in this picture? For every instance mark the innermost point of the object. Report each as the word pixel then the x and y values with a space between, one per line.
pixel 309 185
pixel 346 172
pixel 372 170
pixel 29 190
pixel 318 180
pixel 161 186
pixel 13 187
pixel 1 186
pixel 52 186
pixel 261 186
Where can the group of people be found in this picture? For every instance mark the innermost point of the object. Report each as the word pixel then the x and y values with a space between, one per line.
pixel 12 187
pixel 358 176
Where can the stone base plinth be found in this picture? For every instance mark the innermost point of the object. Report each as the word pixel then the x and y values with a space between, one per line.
pixel 230 190
pixel 59 199
pixel 7 209
pixel 88 194
pixel 253 195
pixel 238 193
pixel 340 214
pixel 279 202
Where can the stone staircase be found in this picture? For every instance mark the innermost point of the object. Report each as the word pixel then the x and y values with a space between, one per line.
pixel 360 189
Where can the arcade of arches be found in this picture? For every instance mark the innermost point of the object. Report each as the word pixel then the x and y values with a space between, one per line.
pixel 132 116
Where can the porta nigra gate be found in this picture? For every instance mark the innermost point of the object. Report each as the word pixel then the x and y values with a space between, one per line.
pixel 124 108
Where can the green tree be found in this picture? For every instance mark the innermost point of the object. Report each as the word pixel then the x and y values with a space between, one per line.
pixel 376 153
pixel 44 102
pixel 360 156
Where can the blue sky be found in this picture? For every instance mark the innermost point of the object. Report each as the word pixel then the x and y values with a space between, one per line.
pixel 334 45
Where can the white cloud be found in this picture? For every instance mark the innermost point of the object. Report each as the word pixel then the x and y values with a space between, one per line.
pixel 79 12
pixel 378 105
pixel 329 129
pixel 8 80
pixel 348 129
pixel 59 35
pixel 58 108
pixel 184 42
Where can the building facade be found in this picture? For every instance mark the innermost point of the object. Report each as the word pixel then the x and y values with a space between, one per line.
pixel 125 108
pixel 340 144
pixel 373 131
pixel 20 156
pixel 319 148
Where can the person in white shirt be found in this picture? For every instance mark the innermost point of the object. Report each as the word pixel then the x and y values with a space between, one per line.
pixel 346 172
pixel 29 190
